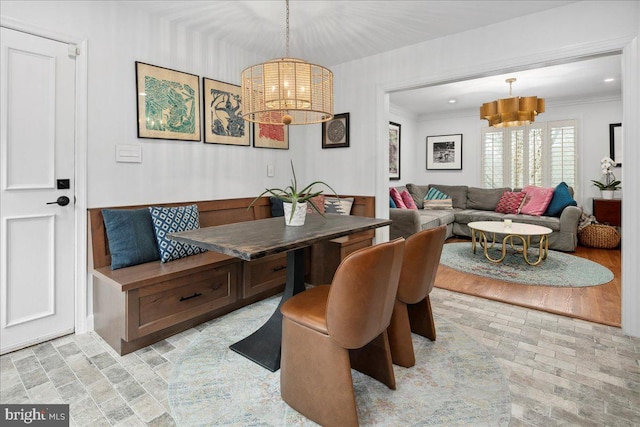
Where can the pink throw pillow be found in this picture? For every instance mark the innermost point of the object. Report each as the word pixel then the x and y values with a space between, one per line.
pixel 397 198
pixel 510 202
pixel 537 200
pixel 408 200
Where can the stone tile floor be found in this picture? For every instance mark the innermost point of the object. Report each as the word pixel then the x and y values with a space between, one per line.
pixel 560 371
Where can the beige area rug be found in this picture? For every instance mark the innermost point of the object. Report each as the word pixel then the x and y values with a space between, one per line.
pixel 455 382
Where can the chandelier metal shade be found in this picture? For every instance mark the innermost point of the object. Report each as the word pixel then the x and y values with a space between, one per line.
pixel 512 111
pixel 287 91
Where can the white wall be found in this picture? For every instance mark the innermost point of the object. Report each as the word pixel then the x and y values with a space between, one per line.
pixel 117 36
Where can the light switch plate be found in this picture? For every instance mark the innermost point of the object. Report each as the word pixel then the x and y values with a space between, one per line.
pixel 270 170
pixel 128 153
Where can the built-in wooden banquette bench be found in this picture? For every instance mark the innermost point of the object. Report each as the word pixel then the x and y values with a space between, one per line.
pixel 138 305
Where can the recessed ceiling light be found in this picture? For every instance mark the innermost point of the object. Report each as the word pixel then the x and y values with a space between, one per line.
pixel 452 101
pixel 610 79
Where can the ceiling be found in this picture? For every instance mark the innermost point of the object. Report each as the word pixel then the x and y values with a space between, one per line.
pixel 338 31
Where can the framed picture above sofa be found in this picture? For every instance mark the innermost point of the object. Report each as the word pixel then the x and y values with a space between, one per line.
pixel 444 152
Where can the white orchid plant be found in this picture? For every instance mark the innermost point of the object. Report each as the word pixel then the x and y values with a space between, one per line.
pixel 610 181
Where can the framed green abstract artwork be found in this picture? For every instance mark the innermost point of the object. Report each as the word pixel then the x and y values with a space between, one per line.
pixel 223 122
pixel 168 103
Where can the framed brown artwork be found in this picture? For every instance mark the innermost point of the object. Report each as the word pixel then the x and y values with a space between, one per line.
pixel 335 132
pixel 168 103
pixel 394 150
pixel 222 106
pixel 271 136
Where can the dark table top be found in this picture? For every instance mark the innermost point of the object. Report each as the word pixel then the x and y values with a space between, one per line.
pixel 255 239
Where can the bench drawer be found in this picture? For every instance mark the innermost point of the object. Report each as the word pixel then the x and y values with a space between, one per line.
pixel 156 307
pixel 262 274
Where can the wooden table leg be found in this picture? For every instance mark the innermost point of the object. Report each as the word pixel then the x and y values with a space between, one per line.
pixel 263 346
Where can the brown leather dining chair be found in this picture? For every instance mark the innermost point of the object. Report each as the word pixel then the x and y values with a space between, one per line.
pixel 412 309
pixel 328 329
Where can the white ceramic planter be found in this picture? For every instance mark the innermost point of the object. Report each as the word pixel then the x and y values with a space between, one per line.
pixel 298 216
pixel 607 194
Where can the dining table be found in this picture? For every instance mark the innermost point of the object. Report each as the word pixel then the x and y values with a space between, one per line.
pixel 250 240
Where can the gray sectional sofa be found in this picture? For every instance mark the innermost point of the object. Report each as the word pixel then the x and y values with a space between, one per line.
pixel 477 204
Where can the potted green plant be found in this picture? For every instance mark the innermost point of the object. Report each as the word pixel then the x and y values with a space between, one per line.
pixel 294 200
pixel 609 183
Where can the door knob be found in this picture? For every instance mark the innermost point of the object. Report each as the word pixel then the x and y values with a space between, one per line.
pixel 62 201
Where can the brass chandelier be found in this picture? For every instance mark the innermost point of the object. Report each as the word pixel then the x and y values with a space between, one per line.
pixel 512 111
pixel 287 90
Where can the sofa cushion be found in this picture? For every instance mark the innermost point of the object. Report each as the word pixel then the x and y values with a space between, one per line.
pixel 537 200
pixel 408 200
pixel 131 237
pixel 168 220
pixel 560 200
pixel 465 216
pixel 551 222
pixel 510 202
pixel 418 192
pixel 458 194
pixel 397 198
pixel 392 204
pixel 484 198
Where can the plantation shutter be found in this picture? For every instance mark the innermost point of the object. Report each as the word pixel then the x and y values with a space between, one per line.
pixel 562 147
pixel 492 158
pixel 540 154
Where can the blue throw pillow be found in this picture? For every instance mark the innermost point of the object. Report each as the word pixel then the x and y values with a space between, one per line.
pixel 131 237
pixel 392 204
pixel 277 209
pixel 561 199
pixel 171 220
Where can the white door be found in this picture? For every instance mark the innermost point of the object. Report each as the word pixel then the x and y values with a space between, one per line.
pixel 37 255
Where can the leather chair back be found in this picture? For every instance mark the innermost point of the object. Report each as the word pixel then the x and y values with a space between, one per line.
pixel 420 264
pixel 362 294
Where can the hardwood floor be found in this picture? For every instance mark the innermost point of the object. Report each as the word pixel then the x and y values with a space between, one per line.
pixel 600 304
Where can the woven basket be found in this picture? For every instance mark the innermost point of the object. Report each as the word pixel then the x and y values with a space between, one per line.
pixel 599 236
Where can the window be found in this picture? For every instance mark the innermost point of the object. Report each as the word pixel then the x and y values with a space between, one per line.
pixel 542 154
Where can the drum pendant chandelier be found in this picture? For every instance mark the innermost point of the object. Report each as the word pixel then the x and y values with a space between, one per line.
pixel 287 91
pixel 512 111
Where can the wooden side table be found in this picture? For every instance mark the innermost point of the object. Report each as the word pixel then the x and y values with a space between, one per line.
pixel 608 211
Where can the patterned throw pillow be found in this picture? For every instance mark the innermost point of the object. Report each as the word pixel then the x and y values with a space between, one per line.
pixel 408 200
pixel 172 220
pixel 397 198
pixel 436 199
pixel 510 202
pixel 537 200
pixel 340 206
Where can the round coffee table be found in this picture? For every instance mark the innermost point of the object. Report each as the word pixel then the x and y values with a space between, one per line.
pixel 518 230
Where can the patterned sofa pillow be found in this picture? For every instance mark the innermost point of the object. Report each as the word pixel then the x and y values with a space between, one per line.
pixel 510 202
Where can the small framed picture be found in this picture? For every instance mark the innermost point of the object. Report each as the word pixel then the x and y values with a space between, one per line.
pixel 394 151
pixel 271 136
pixel 335 132
pixel 168 103
pixel 444 152
pixel 223 122
pixel 615 143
